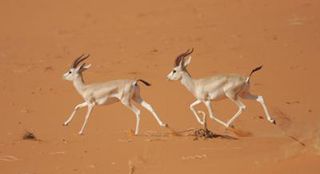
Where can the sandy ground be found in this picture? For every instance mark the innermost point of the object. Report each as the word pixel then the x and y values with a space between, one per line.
pixel 140 39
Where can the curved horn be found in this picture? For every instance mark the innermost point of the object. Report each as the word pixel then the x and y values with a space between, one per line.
pixel 78 60
pixel 74 63
pixel 191 51
pixel 182 56
pixel 188 52
pixel 179 58
pixel 81 69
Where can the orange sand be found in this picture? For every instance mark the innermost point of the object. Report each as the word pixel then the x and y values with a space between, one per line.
pixel 140 39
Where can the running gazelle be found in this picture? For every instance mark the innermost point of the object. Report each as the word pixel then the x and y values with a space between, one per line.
pixel 217 87
pixel 105 93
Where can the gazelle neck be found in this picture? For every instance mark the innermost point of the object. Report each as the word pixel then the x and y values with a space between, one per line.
pixel 188 82
pixel 78 83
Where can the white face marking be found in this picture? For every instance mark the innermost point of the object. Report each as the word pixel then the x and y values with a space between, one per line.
pixel 70 75
pixel 175 74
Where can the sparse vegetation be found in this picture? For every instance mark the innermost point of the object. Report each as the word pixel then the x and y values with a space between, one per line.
pixel 29 136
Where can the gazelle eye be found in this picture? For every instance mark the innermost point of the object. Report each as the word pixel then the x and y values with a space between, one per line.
pixel 69 72
pixel 174 71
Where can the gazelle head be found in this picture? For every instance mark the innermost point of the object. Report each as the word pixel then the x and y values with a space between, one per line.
pixel 180 65
pixel 76 70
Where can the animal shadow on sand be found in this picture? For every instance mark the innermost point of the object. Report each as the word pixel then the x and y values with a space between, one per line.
pixel 201 133
pixel 196 133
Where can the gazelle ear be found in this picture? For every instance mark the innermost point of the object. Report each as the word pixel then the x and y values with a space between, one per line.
pixel 87 66
pixel 83 67
pixel 186 61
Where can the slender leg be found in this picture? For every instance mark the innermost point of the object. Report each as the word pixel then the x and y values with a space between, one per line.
pixel 241 108
pixel 74 112
pixel 146 105
pixel 208 105
pixel 261 101
pixel 90 107
pixel 194 111
pixel 136 111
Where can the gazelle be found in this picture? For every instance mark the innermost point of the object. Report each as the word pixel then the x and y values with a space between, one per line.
pixel 106 93
pixel 218 87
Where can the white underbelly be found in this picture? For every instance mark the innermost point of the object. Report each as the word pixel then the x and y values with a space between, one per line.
pixel 107 101
pixel 216 96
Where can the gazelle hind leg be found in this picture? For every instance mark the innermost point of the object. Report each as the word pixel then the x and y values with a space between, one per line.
pixel 147 106
pixel 137 98
pixel 240 105
pixel 136 111
pixel 259 99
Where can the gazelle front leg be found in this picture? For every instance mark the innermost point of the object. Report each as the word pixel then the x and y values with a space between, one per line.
pixel 90 107
pixel 81 105
pixel 208 105
pixel 194 111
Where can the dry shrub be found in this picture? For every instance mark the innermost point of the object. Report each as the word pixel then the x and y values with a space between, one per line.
pixel 29 136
